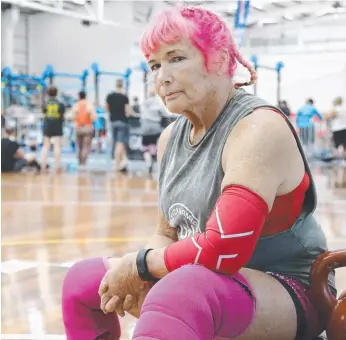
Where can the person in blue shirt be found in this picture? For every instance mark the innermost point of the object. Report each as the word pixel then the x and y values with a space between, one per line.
pixel 305 122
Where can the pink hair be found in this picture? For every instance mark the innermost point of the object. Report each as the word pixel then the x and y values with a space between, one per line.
pixel 207 31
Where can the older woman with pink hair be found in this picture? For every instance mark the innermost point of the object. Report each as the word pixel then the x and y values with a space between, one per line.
pixel 236 235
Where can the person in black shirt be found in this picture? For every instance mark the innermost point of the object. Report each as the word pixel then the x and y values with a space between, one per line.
pixel 52 127
pixel 284 108
pixel 119 111
pixel 13 158
pixel 135 106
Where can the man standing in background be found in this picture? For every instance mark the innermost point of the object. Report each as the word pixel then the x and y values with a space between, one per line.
pixel 117 104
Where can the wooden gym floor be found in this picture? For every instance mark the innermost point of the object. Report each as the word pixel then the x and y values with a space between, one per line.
pixel 49 222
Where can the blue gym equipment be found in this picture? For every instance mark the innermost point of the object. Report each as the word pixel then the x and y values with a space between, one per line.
pixel 50 74
pixel 17 88
pixel 278 67
pixel 143 66
pixel 98 72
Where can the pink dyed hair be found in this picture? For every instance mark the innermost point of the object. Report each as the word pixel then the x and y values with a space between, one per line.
pixel 207 31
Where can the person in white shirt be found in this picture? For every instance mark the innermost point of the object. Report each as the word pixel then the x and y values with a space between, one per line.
pixel 152 113
pixel 338 116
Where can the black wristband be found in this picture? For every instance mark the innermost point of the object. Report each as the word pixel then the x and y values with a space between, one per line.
pixel 142 267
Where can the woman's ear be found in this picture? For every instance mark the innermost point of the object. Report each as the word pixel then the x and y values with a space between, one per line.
pixel 223 63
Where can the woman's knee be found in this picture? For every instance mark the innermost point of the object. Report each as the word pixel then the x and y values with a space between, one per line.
pixel 182 287
pixel 82 281
pixel 218 304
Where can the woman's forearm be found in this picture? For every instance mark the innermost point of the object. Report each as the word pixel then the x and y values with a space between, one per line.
pixel 159 241
pixel 156 263
pixel 163 237
pixel 155 258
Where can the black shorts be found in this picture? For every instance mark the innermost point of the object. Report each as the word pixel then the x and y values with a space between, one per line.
pixel 339 138
pixel 150 140
pixel 52 129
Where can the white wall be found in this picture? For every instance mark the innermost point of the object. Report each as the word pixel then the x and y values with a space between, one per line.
pixel 319 76
pixel 314 58
pixel 71 47
pixel 312 68
pixel 21 45
pixel 9 21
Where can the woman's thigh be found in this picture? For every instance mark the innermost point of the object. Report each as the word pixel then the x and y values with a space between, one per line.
pixel 275 316
pixel 273 313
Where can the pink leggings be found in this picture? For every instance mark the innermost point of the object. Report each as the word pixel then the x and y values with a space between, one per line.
pixel 191 303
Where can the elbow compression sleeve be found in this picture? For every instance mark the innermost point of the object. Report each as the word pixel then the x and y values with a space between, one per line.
pixel 230 237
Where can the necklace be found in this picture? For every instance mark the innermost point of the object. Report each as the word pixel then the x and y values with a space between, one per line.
pixel 195 139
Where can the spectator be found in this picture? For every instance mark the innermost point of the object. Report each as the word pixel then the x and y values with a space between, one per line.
pixel 52 127
pixel 13 158
pixel 338 116
pixel 305 123
pixel 136 107
pixel 153 111
pixel 84 116
pixel 119 110
pixel 284 108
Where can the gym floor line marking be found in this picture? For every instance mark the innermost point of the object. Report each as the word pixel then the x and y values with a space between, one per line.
pixel 97 240
pixel 35 337
pixel 85 203
pixel 127 204
pixel 73 241
pixel 77 187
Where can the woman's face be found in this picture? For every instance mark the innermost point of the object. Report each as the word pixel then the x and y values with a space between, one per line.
pixel 180 77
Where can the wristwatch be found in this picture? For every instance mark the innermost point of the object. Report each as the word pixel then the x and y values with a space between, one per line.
pixel 142 267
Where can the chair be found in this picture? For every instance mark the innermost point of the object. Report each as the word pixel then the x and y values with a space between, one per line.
pixel 332 310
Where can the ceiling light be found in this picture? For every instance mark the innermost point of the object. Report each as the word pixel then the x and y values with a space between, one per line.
pixel 258 4
pixel 289 17
pixel 268 21
pixel 325 11
pixel 79 2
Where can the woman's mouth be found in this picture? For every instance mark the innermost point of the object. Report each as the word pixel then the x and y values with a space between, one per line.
pixel 172 96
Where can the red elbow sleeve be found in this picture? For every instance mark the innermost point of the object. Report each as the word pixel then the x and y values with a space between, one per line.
pixel 231 234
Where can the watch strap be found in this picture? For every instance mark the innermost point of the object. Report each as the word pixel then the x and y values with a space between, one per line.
pixel 142 267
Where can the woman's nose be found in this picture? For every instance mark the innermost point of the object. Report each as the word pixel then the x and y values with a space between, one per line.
pixel 164 75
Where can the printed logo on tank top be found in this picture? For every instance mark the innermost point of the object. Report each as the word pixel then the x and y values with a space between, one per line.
pixel 183 219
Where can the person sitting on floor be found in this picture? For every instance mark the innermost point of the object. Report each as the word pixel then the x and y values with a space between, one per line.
pixel 13 158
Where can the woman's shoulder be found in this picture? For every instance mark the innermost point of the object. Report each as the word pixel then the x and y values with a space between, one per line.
pixel 264 123
pixel 248 100
pixel 264 132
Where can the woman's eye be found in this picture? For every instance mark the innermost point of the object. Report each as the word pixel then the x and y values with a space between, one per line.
pixel 154 67
pixel 177 59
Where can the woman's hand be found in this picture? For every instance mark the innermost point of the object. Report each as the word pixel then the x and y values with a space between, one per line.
pixel 121 289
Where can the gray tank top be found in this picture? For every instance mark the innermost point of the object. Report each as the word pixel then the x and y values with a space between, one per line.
pixel 190 183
